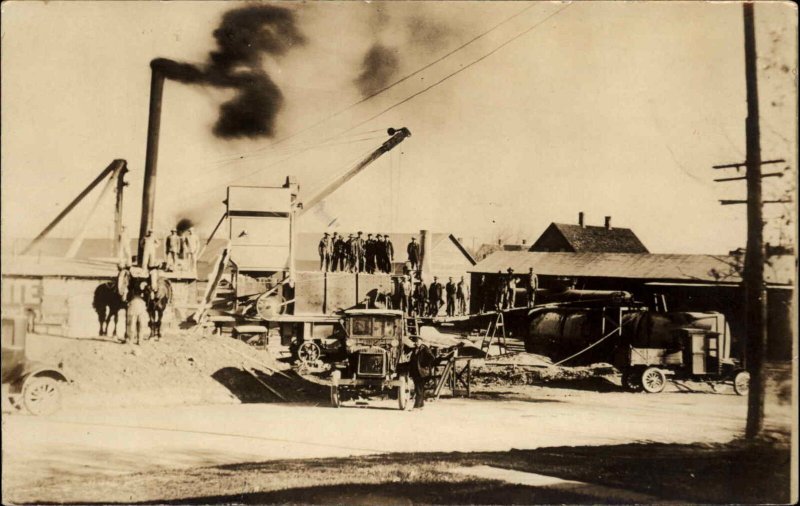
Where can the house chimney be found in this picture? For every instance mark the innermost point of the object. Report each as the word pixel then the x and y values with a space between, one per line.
pixel 608 222
pixel 580 219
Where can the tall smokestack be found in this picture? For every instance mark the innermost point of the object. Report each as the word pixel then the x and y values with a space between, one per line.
pixel 580 219
pixel 426 247
pixel 151 157
pixel 608 222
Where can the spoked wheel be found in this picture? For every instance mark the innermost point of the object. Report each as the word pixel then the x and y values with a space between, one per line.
pixel 308 352
pixel 631 381
pixel 41 395
pixel 653 380
pixel 741 383
pixel 406 393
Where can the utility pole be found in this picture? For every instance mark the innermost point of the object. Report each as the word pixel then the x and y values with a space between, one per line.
pixel 753 275
pixel 755 294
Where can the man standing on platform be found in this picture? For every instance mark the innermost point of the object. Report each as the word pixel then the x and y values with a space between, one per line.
pixel 149 250
pixel 173 246
pixel 124 247
pixel 462 296
pixel 350 250
pixel 450 289
pixel 334 251
pixel 388 248
pixel 499 291
pixel 420 299
pixel 191 244
pixel 413 254
pixel 531 284
pixel 359 252
pixel 325 249
pixel 511 290
pixel 481 294
pixel 435 296
pixel 370 253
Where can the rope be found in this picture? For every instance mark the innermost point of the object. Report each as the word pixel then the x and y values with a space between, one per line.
pixel 616 330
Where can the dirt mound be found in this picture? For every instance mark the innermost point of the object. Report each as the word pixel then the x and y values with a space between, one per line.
pixel 181 368
pixel 531 369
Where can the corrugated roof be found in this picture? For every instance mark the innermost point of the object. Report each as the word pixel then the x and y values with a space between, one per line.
pixel 702 268
pixel 599 239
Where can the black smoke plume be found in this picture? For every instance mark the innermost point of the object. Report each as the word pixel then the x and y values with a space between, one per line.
pixel 379 67
pixel 184 224
pixel 243 38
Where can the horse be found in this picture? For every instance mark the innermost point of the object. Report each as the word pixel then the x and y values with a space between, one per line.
pixel 110 298
pixel 157 296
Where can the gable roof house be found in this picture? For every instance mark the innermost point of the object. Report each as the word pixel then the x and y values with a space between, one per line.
pixel 582 238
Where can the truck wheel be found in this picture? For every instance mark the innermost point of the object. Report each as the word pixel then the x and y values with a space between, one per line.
pixel 631 381
pixel 741 383
pixel 41 395
pixel 653 380
pixel 405 393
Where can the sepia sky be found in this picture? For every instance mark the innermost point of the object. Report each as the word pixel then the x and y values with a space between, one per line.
pixel 612 108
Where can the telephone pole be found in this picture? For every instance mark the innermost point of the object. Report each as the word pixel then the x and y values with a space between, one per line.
pixel 753 275
pixel 755 294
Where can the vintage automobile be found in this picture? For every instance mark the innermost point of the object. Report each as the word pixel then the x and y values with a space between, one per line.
pixel 647 348
pixel 35 386
pixel 378 358
pixel 680 345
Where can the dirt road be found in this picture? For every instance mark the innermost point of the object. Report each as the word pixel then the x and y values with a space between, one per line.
pixel 80 446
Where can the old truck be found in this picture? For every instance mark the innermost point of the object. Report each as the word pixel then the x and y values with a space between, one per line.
pixel 647 347
pixel 33 385
pixel 378 358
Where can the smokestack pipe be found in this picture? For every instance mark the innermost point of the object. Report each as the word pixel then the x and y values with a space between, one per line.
pixel 151 157
pixel 580 219
pixel 608 222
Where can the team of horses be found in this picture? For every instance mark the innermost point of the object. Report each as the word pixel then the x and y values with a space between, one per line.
pixel 113 296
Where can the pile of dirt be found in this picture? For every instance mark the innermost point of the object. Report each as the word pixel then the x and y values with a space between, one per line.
pixel 181 368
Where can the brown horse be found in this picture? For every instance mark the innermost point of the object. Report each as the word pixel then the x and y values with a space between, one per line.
pixel 110 298
pixel 157 296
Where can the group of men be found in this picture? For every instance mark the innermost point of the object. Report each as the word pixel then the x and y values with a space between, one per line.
pixel 180 250
pixel 415 298
pixel 502 293
pixel 356 254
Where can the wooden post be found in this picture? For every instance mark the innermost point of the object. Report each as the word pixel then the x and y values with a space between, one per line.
pixel 121 184
pixel 754 259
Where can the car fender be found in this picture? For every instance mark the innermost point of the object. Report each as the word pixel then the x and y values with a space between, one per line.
pixel 32 369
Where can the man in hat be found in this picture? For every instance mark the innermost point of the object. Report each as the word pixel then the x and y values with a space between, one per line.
pixel 124 247
pixel 369 252
pixel 462 296
pixel 450 290
pixel 388 253
pixel 420 299
pixel 499 291
pixel 379 253
pixel 334 251
pixel 350 251
pixel 481 294
pixel 149 250
pixel 435 296
pixel 173 248
pixel 511 289
pixel 340 247
pixel 325 250
pixel 359 252
pixel 191 244
pixel 413 254
pixel 531 284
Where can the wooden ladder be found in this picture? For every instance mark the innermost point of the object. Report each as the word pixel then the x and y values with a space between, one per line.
pixel 495 331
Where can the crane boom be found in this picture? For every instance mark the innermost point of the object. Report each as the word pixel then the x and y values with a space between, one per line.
pixel 397 136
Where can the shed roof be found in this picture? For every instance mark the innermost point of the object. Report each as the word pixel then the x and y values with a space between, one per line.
pixel 597 239
pixel 697 268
